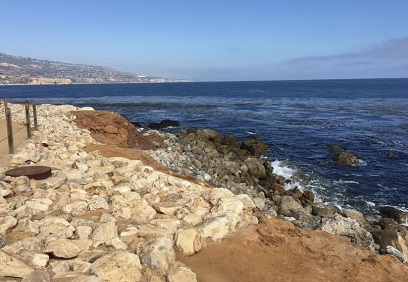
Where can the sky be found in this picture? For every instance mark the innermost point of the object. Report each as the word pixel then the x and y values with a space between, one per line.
pixel 215 40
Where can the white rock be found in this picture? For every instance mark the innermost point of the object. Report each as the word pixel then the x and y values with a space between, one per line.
pixel 168 224
pixel 78 194
pixel 247 201
pixel 97 203
pixel 6 223
pixel 260 203
pixel 219 193
pixel 13 267
pixel 58 227
pixel 27 226
pixel 158 254
pixel 37 276
pixel 188 241
pixel 182 274
pixel 35 259
pixel 143 212
pixel 34 244
pixel 60 266
pixel 118 244
pixel 53 182
pixel 215 228
pixel 231 207
pixel 75 277
pixel 35 156
pixel 76 208
pixel 82 167
pixel 62 248
pixel 80 266
pixel 104 233
pixel 83 232
pixel 347 228
pixel 39 204
pixel 118 266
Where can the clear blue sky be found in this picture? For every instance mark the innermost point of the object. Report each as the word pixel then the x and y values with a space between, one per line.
pixel 215 39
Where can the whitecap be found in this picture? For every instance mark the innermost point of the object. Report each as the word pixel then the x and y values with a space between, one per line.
pixel 341 181
pixel 361 162
pixel 371 204
pixel 280 169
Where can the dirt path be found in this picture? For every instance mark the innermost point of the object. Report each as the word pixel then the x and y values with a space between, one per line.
pixel 19 138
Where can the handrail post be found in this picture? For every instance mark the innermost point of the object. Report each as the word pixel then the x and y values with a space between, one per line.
pixel 9 131
pixel 35 116
pixel 28 124
pixel 5 105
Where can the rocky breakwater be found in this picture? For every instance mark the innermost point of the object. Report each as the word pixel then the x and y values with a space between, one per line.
pixel 104 219
pixel 240 168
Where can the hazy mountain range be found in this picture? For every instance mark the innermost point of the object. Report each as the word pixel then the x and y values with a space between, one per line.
pixel 23 70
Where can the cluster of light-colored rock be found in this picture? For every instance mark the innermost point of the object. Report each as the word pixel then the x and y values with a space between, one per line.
pixel 104 219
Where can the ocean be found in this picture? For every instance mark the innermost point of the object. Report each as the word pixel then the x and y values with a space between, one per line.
pixel 295 118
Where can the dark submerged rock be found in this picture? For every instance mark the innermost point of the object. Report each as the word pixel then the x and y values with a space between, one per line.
pixel 137 124
pixel 163 124
pixel 335 148
pixel 391 155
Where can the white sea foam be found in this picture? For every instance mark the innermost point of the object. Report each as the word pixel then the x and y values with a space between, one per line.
pixel 371 204
pixel 362 162
pixel 280 169
pixel 341 181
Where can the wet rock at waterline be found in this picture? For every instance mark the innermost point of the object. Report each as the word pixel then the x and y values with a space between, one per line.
pixel 346 158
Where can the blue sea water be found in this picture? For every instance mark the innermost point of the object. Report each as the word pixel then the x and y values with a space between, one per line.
pixel 295 118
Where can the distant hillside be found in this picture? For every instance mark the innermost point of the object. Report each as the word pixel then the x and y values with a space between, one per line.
pixel 22 70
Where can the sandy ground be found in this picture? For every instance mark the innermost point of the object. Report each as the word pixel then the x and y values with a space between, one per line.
pixel 277 251
pixel 19 138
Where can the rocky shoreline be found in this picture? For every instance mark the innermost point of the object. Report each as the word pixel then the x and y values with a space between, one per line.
pixel 100 218
pixel 223 162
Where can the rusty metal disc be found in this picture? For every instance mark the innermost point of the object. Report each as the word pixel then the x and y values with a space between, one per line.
pixel 32 172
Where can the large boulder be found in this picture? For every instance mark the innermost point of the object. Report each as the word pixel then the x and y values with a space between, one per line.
pixel 118 266
pixel 62 248
pixel 13 267
pixel 349 229
pixel 392 236
pixel 256 147
pixel 393 213
pixel 288 205
pixel 255 168
pixel 188 241
pixel 157 254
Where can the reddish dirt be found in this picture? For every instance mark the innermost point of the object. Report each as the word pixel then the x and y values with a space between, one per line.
pixel 121 139
pixel 113 129
pixel 277 251
pixel 273 250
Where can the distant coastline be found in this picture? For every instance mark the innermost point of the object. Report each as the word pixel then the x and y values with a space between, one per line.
pixel 15 70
